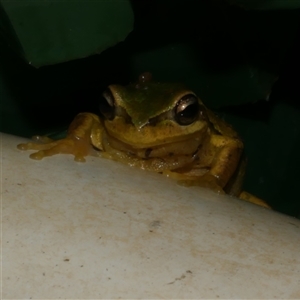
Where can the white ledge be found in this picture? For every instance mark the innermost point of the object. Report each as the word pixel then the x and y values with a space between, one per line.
pixel 101 229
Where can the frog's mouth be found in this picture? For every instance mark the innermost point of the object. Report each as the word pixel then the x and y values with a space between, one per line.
pixel 158 154
pixel 169 156
pixel 150 136
pixel 184 147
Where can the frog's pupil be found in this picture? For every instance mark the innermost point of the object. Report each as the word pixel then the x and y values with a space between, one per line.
pixel 187 110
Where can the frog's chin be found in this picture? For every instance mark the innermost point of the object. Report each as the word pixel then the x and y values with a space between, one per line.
pixel 167 157
pixel 185 147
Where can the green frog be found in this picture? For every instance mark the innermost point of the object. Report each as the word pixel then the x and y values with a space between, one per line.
pixel 157 126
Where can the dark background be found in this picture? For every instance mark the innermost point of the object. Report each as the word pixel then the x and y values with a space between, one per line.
pixel 244 64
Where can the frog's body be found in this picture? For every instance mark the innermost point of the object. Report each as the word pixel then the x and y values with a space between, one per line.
pixel 161 127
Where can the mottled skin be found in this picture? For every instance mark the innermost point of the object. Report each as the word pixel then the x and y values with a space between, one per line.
pixel 162 127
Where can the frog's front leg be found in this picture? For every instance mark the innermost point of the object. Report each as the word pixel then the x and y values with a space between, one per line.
pixel 85 130
pixel 226 159
pixel 220 157
pixel 226 163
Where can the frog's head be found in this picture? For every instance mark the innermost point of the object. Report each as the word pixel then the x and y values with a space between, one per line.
pixel 147 113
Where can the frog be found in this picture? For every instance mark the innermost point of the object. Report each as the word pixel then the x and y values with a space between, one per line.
pixel 157 126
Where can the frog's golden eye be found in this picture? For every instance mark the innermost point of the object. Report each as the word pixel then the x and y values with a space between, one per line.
pixel 107 105
pixel 187 110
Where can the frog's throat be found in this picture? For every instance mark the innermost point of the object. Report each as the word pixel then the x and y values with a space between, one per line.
pixel 173 149
pixel 165 132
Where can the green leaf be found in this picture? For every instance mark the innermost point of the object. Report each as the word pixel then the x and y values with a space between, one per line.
pixel 49 32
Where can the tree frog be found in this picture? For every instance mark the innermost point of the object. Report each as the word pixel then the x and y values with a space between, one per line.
pixel 158 126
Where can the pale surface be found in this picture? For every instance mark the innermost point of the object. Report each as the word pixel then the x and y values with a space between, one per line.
pixel 105 230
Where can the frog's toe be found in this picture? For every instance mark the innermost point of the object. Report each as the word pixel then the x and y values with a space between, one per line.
pixel 37 155
pixel 23 146
pixel 42 139
pixel 57 149
pixel 205 181
pixel 43 149
pixel 71 145
pixel 36 146
pixel 253 199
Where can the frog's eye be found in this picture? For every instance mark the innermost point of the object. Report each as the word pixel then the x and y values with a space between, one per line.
pixel 107 105
pixel 187 110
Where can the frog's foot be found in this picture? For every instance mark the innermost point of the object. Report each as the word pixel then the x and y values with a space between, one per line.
pixel 206 181
pixel 84 131
pixel 253 199
pixel 79 147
